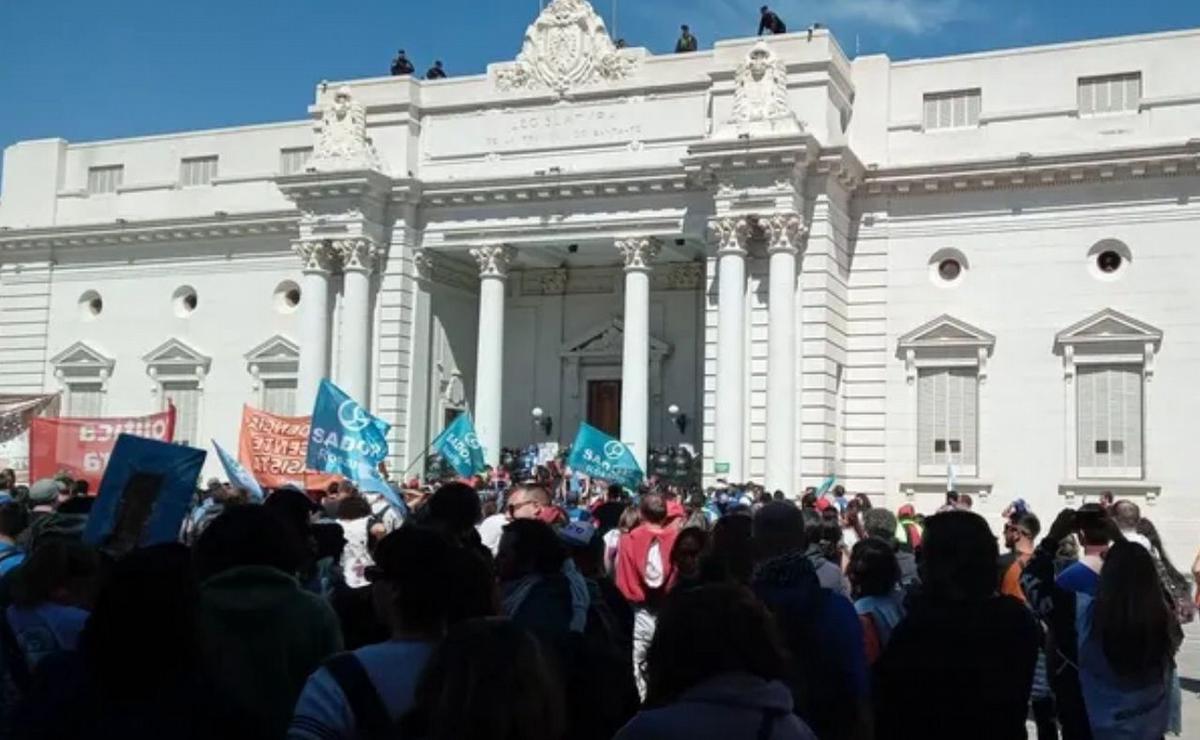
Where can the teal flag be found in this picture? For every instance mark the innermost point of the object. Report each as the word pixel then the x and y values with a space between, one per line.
pixel 598 455
pixel 826 485
pixel 459 447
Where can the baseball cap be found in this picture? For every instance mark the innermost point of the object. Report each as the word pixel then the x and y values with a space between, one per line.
pixel 45 490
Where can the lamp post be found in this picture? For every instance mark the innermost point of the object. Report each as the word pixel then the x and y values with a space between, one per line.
pixel 542 420
pixel 678 418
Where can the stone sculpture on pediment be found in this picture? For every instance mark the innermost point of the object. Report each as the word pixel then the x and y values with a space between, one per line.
pixel 567 46
pixel 760 98
pixel 342 142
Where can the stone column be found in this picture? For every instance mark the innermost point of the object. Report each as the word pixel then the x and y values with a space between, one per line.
pixel 493 262
pixel 358 262
pixel 732 235
pixel 635 359
pixel 784 233
pixel 318 258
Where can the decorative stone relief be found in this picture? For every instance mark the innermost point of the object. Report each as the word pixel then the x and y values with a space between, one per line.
pixel 494 260
pixel 554 282
pixel 357 254
pixel 732 234
pixel 638 252
pixel 783 232
pixel 317 255
pixel 682 276
pixel 424 264
pixel 761 87
pixel 342 142
pixel 567 46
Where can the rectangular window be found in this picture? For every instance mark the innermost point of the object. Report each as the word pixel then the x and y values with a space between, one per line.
pixel 295 160
pixel 185 395
pixel 1110 421
pixel 279 396
pixel 84 400
pixel 1110 94
pixel 197 171
pixel 955 109
pixel 947 421
pixel 105 179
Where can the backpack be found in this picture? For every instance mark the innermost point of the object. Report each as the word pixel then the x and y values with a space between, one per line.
pixel 371 718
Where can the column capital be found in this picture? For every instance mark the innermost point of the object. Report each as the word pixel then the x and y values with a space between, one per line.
pixel 358 254
pixel 423 264
pixel 317 255
pixel 731 234
pixel 494 260
pixel 784 232
pixel 638 252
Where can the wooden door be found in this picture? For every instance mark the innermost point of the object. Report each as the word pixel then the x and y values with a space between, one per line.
pixel 604 406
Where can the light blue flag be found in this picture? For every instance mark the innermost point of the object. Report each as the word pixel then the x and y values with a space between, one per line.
pixel 459 447
pixel 951 477
pixel 238 475
pixel 598 455
pixel 826 485
pixel 346 439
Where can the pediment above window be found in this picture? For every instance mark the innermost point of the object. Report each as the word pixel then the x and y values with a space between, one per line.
pixel 608 340
pixel 82 362
pixel 276 358
pixel 175 359
pixel 1108 337
pixel 946 342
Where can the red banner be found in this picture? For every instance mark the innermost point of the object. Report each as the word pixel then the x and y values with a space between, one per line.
pixel 273 449
pixel 81 447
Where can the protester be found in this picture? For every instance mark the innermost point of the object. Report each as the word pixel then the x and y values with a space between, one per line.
pixel 534 591
pixel 828 671
pixel 882 525
pixel 959 642
pixel 608 514
pixel 909 529
pixel 770 22
pixel 874 576
pixel 643 574
pixel 630 518
pixel 436 72
pixel 262 635
pixel 685 556
pixel 13 521
pixel 687 42
pixel 51 595
pixel 43 499
pixel 732 687
pixel 487 680
pixel 401 65
pixel 1175 583
pixel 1019 534
pixel 829 573
pixel 1128 639
pixel 8 481
pixel 455 510
pixel 1127 515
pixel 730 556
pixel 365 693
pixel 137 673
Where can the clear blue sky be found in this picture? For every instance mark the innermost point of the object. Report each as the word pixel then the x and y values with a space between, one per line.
pixel 96 69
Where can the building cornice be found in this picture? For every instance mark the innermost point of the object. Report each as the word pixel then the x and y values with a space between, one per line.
pixel 551 185
pixel 231 226
pixel 1028 170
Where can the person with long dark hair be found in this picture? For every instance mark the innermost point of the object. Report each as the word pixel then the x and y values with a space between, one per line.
pixel 1128 637
pixel 488 680
pixel 715 670
pixel 962 644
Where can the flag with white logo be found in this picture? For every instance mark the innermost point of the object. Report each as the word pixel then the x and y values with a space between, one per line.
pixel 598 455
pixel 346 439
pixel 459 446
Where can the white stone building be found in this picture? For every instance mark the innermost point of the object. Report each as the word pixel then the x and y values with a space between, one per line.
pixel 868 268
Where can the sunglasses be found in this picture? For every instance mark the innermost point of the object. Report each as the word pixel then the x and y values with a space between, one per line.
pixel 514 508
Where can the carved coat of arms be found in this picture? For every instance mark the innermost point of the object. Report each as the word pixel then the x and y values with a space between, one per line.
pixel 567 46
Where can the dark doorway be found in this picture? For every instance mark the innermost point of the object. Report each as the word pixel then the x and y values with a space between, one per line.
pixel 604 406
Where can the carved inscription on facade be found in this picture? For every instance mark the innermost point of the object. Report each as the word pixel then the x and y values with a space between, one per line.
pixel 552 129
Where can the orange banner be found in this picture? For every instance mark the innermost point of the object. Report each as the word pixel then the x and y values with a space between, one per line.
pixel 81 447
pixel 273 449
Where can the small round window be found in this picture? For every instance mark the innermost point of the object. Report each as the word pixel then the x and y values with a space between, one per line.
pixel 91 305
pixel 185 300
pixel 1109 261
pixel 287 297
pixel 949 270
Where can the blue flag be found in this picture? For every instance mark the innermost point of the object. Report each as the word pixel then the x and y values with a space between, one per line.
pixel 826 485
pixel 348 440
pixel 598 455
pixel 459 447
pixel 238 475
pixel 144 494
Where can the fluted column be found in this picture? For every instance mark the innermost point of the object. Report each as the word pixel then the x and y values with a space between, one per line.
pixel 494 261
pixel 318 258
pixel 784 233
pixel 358 257
pixel 732 235
pixel 635 358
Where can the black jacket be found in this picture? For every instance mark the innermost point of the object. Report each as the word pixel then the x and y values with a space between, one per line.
pixel 771 22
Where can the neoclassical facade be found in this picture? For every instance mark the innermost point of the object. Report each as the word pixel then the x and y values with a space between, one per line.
pixel 796 263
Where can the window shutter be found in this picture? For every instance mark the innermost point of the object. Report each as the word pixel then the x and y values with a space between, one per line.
pixel 931 113
pixel 968 462
pixel 1131 420
pixel 279 396
pixel 1087 98
pixel 186 398
pixel 1133 92
pixel 84 400
pixel 1086 422
pixel 926 418
pixel 1110 421
pixel 974 103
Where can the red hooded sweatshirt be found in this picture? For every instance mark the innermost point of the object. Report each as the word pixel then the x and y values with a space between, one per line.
pixel 631 562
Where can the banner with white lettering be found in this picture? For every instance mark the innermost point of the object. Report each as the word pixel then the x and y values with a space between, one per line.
pixel 81 447
pixel 348 440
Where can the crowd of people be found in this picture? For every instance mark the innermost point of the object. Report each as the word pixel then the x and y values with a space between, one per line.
pixel 769 23
pixel 542 610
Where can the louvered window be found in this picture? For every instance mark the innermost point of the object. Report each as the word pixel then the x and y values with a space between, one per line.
pixel 947 420
pixel 955 109
pixel 1110 94
pixel 1109 407
pixel 186 397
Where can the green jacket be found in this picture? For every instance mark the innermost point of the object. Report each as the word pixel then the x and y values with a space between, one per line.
pixel 262 637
